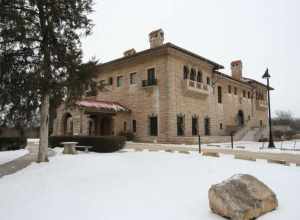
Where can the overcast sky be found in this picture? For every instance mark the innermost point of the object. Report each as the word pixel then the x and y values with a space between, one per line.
pixel 262 33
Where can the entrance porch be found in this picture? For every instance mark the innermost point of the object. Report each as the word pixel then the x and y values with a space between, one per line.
pixel 92 118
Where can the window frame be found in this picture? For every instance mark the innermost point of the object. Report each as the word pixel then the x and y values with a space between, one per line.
pixel 134 126
pixel 120 81
pixel 195 126
pixel 153 128
pixel 180 119
pixel 132 78
pixel 220 98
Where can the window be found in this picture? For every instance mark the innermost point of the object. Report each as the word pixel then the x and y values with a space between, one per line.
pixel 132 78
pixel 134 126
pixel 153 125
pixel 193 75
pixel 207 126
pixel 235 90
pixel 219 94
pixel 221 126
pixel 110 81
pixel 199 76
pixel 194 126
pixel 249 95
pixel 119 81
pixel 180 125
pixel 185 72
pixel 208 81
pixel 125 126
pixel 244 93
pixel 151 76
pixel 229 89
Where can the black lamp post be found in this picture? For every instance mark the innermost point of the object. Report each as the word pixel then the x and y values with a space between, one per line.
pixel 267 76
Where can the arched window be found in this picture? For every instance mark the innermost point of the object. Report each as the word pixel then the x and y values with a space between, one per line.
pixel 193 74
pixel 185 72
pixel 199 76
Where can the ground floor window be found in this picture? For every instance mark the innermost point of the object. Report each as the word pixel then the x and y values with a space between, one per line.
pixel 180 125
pixel 153 125
pixel 125 126
pixel 206 126
pixel 134 126
pixel 194 126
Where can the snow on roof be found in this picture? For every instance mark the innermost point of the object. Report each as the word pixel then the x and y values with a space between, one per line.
pixel 106 105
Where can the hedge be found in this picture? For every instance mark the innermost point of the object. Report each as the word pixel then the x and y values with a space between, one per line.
pixel 100 144
pixel 12 143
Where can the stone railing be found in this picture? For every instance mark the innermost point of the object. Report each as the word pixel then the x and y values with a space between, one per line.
pixel 262 104
pixel 194 87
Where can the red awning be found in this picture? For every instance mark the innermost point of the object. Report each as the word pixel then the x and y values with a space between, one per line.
pixel 102 105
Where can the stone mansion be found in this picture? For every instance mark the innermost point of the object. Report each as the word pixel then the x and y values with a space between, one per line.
pixel 167 94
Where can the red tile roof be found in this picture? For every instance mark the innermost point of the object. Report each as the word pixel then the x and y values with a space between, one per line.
pixel 103 105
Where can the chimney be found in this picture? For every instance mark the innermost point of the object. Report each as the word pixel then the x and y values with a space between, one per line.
pixel 156 38
pixel 237 69
pixel 129 52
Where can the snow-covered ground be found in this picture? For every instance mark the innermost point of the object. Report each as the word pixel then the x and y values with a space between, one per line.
pixel 6 156
pixel 134 186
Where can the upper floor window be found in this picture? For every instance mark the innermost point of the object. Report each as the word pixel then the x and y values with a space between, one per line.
pixel 119 81
pixel 244 93
pixel 229 88
pixel 249 95
pixel 193 74
pixel 194 126
pixel 199 77
pixel 132 78
pixel 151 75
pixel 208 81
pixel 185 72
pixel 180 125
pixel 235 90
pixel 219 94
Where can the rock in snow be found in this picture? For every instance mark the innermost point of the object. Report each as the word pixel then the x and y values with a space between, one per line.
pixel 241 197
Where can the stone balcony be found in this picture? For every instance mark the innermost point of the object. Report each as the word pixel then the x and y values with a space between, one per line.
pixel 262 104
pixel 195 88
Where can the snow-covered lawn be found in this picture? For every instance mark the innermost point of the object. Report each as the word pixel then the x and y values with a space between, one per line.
pixel 135 186
pixel 6 156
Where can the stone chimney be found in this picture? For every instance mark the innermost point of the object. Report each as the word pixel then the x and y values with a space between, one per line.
pixel 129 52
pixel 237 69
pixel 156 38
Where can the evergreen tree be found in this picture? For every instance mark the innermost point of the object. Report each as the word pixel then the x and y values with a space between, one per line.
pixel 41 58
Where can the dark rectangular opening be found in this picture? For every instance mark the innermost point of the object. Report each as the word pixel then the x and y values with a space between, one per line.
pixel 153 126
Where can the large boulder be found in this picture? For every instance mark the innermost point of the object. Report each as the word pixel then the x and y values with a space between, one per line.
pixel 241 197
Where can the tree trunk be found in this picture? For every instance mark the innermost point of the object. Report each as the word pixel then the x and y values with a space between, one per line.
pixel 44 130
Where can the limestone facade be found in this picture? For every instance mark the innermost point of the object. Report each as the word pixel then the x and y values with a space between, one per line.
pixel 185 92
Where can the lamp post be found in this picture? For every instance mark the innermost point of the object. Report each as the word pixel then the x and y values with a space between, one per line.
pixel 267 76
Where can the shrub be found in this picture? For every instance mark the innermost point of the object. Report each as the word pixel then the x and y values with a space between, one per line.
pixel 12 143
pixel 263 139
pixel 129 135
pixel 100 144
pixel 278 134
pixel 289 134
